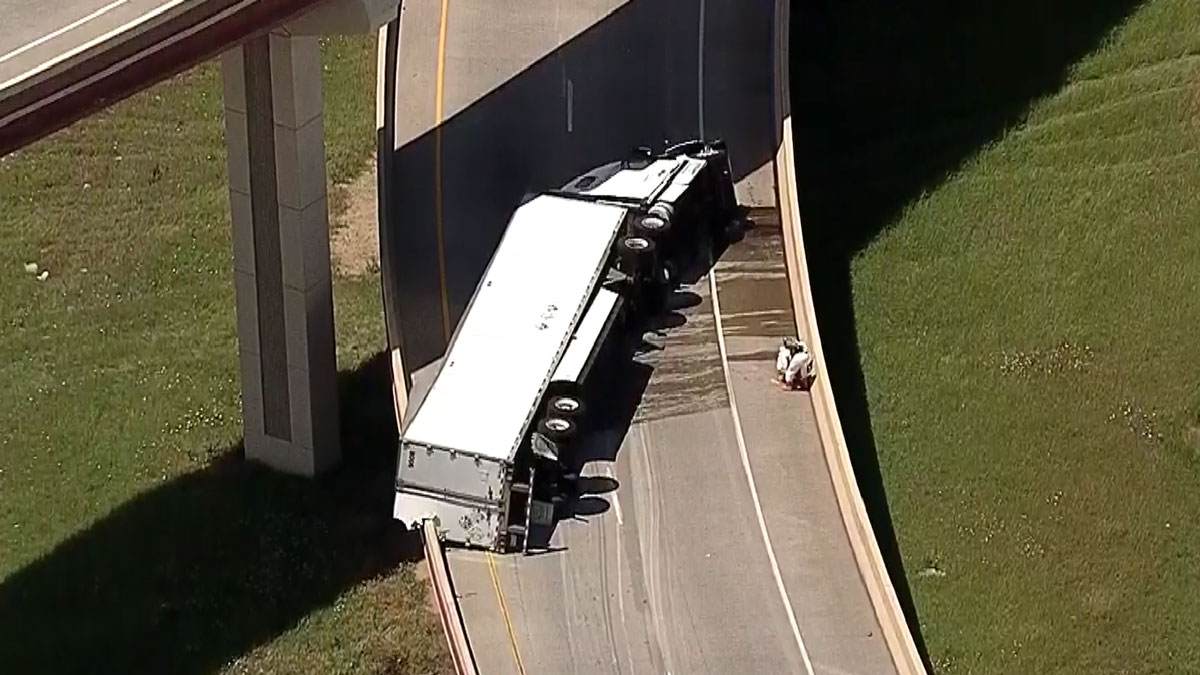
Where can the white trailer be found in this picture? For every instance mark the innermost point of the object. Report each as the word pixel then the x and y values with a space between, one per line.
pixel 506 400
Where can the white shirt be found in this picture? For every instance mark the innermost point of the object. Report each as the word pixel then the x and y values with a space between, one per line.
pixel 783 359
pixel 800 363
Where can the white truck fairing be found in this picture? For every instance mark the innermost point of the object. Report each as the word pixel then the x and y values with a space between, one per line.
pixel 582 348
pixel 617 181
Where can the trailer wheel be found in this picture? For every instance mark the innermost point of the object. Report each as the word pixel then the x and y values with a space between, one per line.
pixel 557 429
pixel 568 407
pixel 636 254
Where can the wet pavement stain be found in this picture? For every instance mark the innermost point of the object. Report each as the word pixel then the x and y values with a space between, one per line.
pixel 688 377
pixel 755 301
pixel 752 280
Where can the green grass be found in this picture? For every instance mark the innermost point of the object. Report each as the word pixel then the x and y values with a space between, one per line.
pixel 133 538
pixel 1026 309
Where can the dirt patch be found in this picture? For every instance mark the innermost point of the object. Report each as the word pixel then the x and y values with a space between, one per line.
pixel 354 240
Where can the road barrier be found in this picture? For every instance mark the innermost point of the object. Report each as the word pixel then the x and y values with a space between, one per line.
pixel 447 603
pixel 871 567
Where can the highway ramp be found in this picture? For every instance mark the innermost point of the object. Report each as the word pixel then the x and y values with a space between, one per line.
pixel 38 32
pixel 666 567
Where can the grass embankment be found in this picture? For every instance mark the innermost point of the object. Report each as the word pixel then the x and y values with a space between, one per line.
pixel 133 538
pixel 1008 202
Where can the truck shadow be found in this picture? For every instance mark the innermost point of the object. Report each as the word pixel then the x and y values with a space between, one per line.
pixel 590 500
pixel 626 376
pixel 612 415
pixel 888 100
pixel 201 569
pixel 623 381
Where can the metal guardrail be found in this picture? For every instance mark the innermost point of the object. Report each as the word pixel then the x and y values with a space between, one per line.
pixel 896 634
pixel 447 602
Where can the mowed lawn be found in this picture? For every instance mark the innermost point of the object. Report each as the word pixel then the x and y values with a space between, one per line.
pixel 1026 304
pixel 133 537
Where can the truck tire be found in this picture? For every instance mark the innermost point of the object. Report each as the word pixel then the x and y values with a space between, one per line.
pixel 636 254
pixel 567 406
pixel 654 228
pixel 557 429
pixel 664 210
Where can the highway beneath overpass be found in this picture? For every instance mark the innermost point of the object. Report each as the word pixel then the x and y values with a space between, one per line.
pixel 712 540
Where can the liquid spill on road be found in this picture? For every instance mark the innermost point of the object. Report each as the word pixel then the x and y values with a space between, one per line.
pixel 687 369
pixel 752 280
pixel 755 301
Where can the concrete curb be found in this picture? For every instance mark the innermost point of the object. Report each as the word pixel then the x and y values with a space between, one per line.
pixel 386 95
pixel 871 566
pixel 448 610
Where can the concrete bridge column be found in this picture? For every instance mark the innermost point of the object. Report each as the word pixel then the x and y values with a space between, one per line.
pixel 275 137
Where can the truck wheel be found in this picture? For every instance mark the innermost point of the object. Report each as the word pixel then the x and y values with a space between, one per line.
pixel 636 254
pixel 557 429
pixel 663 210
pixel 568 407
pixel 651 227
pixel 735 230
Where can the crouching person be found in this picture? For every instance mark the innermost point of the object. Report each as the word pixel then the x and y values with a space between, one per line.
pixel 795 365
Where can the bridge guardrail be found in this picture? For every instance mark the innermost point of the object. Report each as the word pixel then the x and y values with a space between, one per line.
pixel 871 566
pixel 447 602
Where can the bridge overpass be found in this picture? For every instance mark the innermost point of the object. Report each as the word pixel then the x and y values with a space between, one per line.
pixel 725 530
pixel 63 62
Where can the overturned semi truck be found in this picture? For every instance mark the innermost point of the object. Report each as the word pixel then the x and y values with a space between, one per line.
pixel 480 455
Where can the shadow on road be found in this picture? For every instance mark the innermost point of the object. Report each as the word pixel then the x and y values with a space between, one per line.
pixel 888 99
pixel 197 572
pixel 588 505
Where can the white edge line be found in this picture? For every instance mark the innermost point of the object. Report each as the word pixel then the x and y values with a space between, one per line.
pixel 161 9
pixel 570 106
pixel 55 33
pixel 741 441
pixel 398 91
pixel 177 37
pixel 616 499
pixel 381 74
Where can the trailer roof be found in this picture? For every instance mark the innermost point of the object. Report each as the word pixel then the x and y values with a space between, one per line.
pixel 517 326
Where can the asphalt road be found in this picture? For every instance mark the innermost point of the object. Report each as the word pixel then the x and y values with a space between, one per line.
pixel 710 540
pixel 37 32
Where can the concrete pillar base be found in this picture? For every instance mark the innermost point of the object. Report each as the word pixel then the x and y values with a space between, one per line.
pixel 279 211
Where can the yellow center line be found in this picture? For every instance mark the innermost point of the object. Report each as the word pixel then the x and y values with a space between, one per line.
pixel 437 168
pixel 512 636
